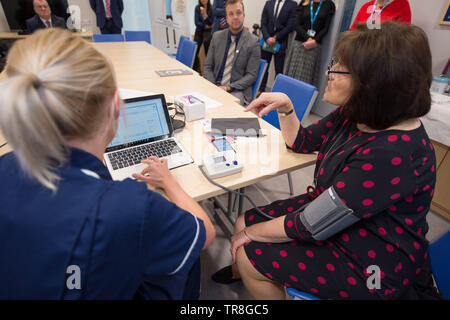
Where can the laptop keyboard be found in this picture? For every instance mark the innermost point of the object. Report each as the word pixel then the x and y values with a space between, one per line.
pixel 130 157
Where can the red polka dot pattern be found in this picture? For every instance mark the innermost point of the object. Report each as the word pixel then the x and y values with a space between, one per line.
pixel 387 178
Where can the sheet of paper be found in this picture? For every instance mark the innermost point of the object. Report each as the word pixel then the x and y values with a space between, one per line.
pixel 209 103
pixel 437 122
pixel 130 93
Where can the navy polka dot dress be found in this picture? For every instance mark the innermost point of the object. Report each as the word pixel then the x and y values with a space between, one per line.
pixel 388 179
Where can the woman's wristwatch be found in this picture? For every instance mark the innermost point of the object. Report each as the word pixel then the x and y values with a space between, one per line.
pixel 285 114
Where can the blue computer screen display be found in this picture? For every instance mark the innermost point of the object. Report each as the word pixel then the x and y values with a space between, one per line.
pixel 145 120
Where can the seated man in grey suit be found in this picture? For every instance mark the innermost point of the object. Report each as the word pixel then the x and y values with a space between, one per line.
pixel 233 56
pixel 43 18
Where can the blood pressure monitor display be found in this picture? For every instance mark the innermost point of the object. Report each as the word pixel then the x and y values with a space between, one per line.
pixel 220 159
pixel 222 164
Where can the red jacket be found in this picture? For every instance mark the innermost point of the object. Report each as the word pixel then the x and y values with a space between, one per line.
pixel 397 10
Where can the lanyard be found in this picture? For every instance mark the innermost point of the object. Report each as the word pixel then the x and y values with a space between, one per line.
pixel 374 7
pixel 317 12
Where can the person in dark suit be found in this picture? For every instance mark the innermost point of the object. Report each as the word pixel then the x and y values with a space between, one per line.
pixel 44 18
pixel 277 22
pixel 109 15
pixel 219 16
pixel 302 62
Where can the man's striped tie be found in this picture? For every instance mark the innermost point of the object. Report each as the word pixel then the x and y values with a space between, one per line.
pixel 229 64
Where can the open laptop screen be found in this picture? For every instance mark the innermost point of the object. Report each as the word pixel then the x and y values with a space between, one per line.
pixel 147 120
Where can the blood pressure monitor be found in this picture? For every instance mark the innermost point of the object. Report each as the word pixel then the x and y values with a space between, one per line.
pixel 221 164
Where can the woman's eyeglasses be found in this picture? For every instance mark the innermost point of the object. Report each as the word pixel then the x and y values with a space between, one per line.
pixel 330 66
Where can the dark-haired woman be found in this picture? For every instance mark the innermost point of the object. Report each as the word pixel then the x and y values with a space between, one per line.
pixel 203 22
pixel 374 159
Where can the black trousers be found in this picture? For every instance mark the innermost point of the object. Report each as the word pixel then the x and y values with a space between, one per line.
pixel 201 37
pixel 110 27
pixel 279 65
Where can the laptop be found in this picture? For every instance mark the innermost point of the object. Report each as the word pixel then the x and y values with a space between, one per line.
pixel 148 132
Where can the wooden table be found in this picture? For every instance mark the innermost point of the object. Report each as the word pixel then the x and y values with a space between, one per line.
pixel 135 64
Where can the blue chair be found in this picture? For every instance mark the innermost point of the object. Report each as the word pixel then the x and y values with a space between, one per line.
pixel 297 295
pixel 138 36
pixel 187 52
pixel 440 262
pixel 108 38
pixel 257 84
pixel 302 95
pixel 180 43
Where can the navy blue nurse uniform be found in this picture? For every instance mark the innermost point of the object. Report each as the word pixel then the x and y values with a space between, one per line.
pixel 94 238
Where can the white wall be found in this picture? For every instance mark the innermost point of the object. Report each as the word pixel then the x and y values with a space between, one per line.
pixel 135 15
pixel 427 17
pixel 88 19
pixel 4 27
pixel 253 11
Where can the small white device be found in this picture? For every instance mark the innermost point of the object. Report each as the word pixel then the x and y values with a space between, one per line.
pixel 193 107
pixel 222 164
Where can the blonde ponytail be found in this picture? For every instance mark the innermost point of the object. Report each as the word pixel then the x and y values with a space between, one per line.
pixel 56 89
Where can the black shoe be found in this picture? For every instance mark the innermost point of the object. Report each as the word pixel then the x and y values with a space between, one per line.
pixel 224 276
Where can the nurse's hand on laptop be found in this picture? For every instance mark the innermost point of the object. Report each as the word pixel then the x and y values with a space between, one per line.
pixel 157 173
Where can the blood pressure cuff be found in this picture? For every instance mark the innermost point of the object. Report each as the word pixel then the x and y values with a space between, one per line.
pixel 327 215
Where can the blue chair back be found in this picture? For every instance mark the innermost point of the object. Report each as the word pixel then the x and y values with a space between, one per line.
pixel 302 95
pixel 180 44
pixel 187 55
pixel 108 38
pixel 257 84
pixel 138 36
pixel 297 295
pixel 440 262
